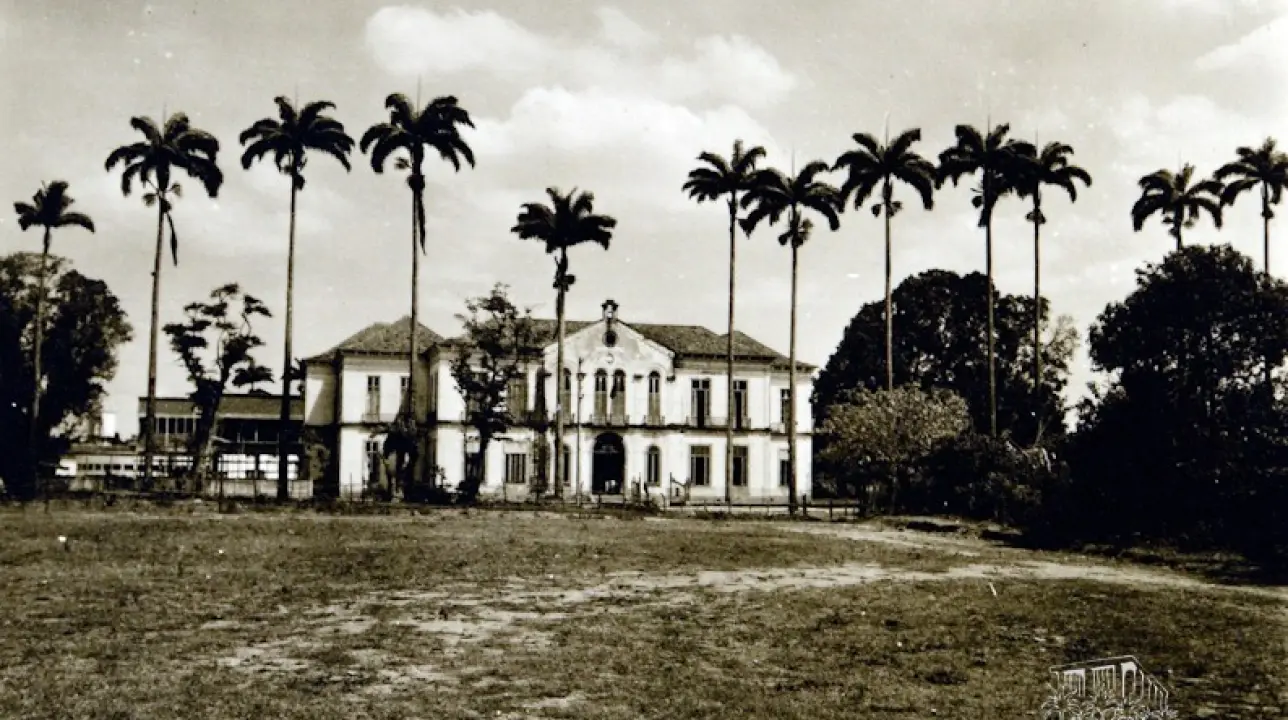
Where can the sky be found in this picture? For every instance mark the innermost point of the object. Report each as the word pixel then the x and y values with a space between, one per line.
pixel 619 99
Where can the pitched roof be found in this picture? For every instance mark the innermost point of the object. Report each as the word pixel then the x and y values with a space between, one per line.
pixel 686 341
pixel 233 405
pixel 381 339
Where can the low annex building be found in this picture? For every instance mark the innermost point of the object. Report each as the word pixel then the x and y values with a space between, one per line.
pixel 645 412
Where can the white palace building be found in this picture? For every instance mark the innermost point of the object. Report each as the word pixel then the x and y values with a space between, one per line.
pixel 645 412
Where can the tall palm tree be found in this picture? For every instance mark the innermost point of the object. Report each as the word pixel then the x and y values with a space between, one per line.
pixel 1178 199
pixel 993 157
pixel 412 130
pixel 774 195
pixel 568 221
pixel 50 208
pixel 288 139
pixel 165 150
pixel 722 178
pixel 1265 167
pixel 1050 166
pixel 874 165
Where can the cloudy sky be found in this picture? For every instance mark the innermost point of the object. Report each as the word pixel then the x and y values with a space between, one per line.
pixel 619 99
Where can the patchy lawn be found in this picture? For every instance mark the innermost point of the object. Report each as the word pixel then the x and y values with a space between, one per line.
pixel 497 614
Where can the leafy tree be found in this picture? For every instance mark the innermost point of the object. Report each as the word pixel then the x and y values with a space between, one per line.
pixel 165 151
pixel 568 221
pixel 411 131
pixel 1177 199
pixel 890 429
pixel 994 157
pixel 875 165
pixel 939 344
pixel 728 179
pixel 50 208
pixel 1265 168
pixel 215 343
pixel 289 139
pixel 775 195
pixel 84 327
pixel 1050 166
pixel 1183 441
pixel 498 343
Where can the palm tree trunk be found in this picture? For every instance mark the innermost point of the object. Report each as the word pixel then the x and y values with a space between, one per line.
pixel 889 304
pixel 1037 313
pixel 150 419
pixel 1265 234
pixel 413 421
pixel 733 219
pixel 791 392
pixel 283 433
pixel 1179 217
pixel 38 339
pixel 562 288
pixel 992 372
pixel 1265 227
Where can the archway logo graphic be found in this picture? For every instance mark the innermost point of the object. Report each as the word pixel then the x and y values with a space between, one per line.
pixel 1106 687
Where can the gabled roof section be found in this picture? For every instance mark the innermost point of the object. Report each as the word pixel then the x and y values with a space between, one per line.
pixel 686 341
pixel 381 339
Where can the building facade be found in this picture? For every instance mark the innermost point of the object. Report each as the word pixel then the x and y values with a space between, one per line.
pixel 645 413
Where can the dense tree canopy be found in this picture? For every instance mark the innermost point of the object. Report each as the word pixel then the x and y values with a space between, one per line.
pixel 1185 438
pixel 84 327
pixel 939 329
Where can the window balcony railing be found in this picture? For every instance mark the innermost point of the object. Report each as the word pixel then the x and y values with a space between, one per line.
pixel 617 418
pixel 379 417
pixel 654 419
pixel 703 420
pixel 742 423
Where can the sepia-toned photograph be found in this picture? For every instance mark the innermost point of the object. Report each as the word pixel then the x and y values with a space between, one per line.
pixel 582 359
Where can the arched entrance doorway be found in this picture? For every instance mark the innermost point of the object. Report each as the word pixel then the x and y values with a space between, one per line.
pixel 609 466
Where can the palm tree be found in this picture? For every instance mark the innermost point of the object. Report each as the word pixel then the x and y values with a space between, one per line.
pixel 875 165
pixel 773 195
pixel 153 161
pixel 289 139
pixel 1266 167
pixel 437 126
pixel 1178 199
pixel 49 209
pixel 1051 167
pixel 726 178
pixel 568 221
pixel 993 157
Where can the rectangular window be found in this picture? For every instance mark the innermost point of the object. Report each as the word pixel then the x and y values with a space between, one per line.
pixel 403 383
pixel 654 469
pixel 784 470
pixel 373 395
pixel 516 395
pixel 701 401
pixel 740 404
pixel 516 468
pixel 740 466
pixel 601 397
pixel 700 465
pixel 566 465
pixel 373 461
pixel 784 405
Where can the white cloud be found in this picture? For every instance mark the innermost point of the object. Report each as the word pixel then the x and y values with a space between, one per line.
pixel 409 40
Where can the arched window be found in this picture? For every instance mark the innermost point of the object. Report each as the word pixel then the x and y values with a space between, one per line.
pixel 601 395
pixel 654 466
pixel 619 397
pixel 655 398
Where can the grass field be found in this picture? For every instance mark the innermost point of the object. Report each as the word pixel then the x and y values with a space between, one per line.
pixel 506 614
